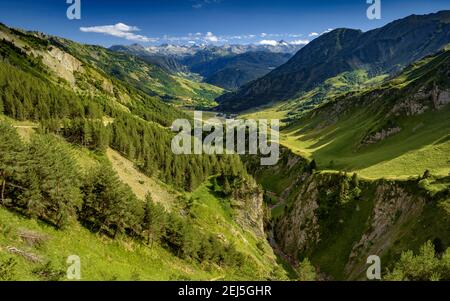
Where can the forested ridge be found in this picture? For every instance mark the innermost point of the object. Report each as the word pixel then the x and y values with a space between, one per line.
pixel 40 178
pixel 138 133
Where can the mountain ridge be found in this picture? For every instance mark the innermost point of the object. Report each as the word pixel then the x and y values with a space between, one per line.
pixel 227 66
pixel 383 50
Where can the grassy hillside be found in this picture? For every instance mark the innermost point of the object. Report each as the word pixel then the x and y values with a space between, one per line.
pixel 101 258
pixel 397 130
pixel 330 89
pixel 293 109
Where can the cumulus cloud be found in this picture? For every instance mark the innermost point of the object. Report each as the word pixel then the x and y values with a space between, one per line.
pixel 268 42
pixel 119 30
pixel 210 37
pixel 276 43
pixel 196 38
pixel 313 34
pixel 299 42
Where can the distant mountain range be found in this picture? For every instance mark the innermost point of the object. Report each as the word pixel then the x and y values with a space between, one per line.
pixel 227 66
pixel 381 51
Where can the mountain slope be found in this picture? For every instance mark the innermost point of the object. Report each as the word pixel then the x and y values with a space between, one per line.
pixel 233 72
pixel 169 63
pixel 380 180
pixel 145 76
pixel 384 50
pixel 228 66
pixel 399 129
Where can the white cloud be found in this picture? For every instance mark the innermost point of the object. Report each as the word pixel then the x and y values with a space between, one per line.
pixel 294 35
pixel 119 30
pixel 299 42
pixel 268 42
pixel 313 34
pixel 326 31
pixel 210 37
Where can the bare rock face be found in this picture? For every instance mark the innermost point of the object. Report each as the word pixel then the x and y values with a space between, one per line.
pixel 381 135
pixel 62 63
pixel 299 232
pixel 248 209
pixel 393 206
pixel 382 208
pixel 421 101
pixel 409 107
pixel 299 229
pixel 440 98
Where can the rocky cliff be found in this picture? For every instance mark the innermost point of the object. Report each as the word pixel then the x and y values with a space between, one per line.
pixel 338 220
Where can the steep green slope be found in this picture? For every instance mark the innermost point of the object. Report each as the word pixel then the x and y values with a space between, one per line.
pixel 48 85
pixel 396 130
pixel 346 82
pixel 379 183
pixel 101 258
pixel 380 51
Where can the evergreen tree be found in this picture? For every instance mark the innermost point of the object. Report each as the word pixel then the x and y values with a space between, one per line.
pixel 55 181
pixel 306 271
pixel 12 157
pixel 226 186
pixel 424 266
pixel 153 221
pixel 108 205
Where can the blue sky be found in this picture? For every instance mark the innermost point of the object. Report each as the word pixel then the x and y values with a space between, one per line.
pixel 109 22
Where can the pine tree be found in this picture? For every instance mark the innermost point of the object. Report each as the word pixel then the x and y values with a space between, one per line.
pixel 109 206
pixel 12 155
pixel 153 221
pixel 57 179
pixel 306 271
pixel 226 186
pixel 215 185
